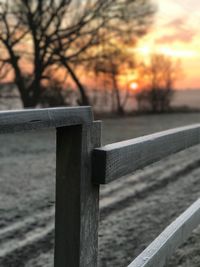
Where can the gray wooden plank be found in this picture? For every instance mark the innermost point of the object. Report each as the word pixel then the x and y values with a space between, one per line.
pixel 77 198
pixel 113 161
pixel 90 202
pixel 22 120
pixel 160 250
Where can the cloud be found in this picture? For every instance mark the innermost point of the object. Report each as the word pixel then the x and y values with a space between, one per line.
pixel 179 22
pixel 179 31
pixel 184 37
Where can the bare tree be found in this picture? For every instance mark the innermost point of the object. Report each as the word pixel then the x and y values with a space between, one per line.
pixel 44 33
pixel 160 75
pixel 112 64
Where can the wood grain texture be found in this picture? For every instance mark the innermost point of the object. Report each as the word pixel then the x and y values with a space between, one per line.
pixel 113 161
pixel 22 120
pixel 160 250
pixel 77 198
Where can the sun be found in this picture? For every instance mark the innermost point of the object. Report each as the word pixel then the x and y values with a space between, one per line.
pixel 134 86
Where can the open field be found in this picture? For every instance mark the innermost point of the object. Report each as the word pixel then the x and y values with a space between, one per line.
pixel 188 99
pixel 134 209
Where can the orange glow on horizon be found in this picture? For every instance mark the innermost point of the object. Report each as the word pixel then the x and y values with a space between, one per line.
pixel 175 33
pixel 167 51
pixel 134 86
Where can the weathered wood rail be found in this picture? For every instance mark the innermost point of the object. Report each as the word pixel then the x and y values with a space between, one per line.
pixel 82 165
pixel 116 160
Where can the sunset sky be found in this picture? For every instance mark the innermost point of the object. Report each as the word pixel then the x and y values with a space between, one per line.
pixel 176 32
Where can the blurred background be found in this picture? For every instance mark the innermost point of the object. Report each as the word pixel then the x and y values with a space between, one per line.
pixel 127 56
pixel 136 62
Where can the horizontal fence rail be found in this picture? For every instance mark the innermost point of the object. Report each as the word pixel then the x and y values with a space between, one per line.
pixel 81 166
pixel 22 120
pixel 113 161
pixel 159 251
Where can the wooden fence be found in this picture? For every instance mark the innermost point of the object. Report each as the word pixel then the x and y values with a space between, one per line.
pixel 82 165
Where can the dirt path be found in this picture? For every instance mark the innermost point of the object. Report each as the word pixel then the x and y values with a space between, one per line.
pixel 133 222
pixel 134 209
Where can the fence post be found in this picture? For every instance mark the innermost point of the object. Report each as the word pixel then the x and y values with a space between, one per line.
pixel 77 199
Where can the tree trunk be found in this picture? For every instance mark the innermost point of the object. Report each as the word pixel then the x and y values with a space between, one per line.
pixel 120 110
pixel 84 98
pixel 27 98
pixel 28 103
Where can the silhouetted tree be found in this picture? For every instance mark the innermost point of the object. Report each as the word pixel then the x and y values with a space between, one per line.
pixel 112 64
pixel 160 75
pixel 43 33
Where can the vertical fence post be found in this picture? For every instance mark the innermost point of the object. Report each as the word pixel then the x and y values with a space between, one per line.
pixel 77 199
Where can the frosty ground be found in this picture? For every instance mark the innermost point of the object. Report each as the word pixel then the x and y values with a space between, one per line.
pixel 134 209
